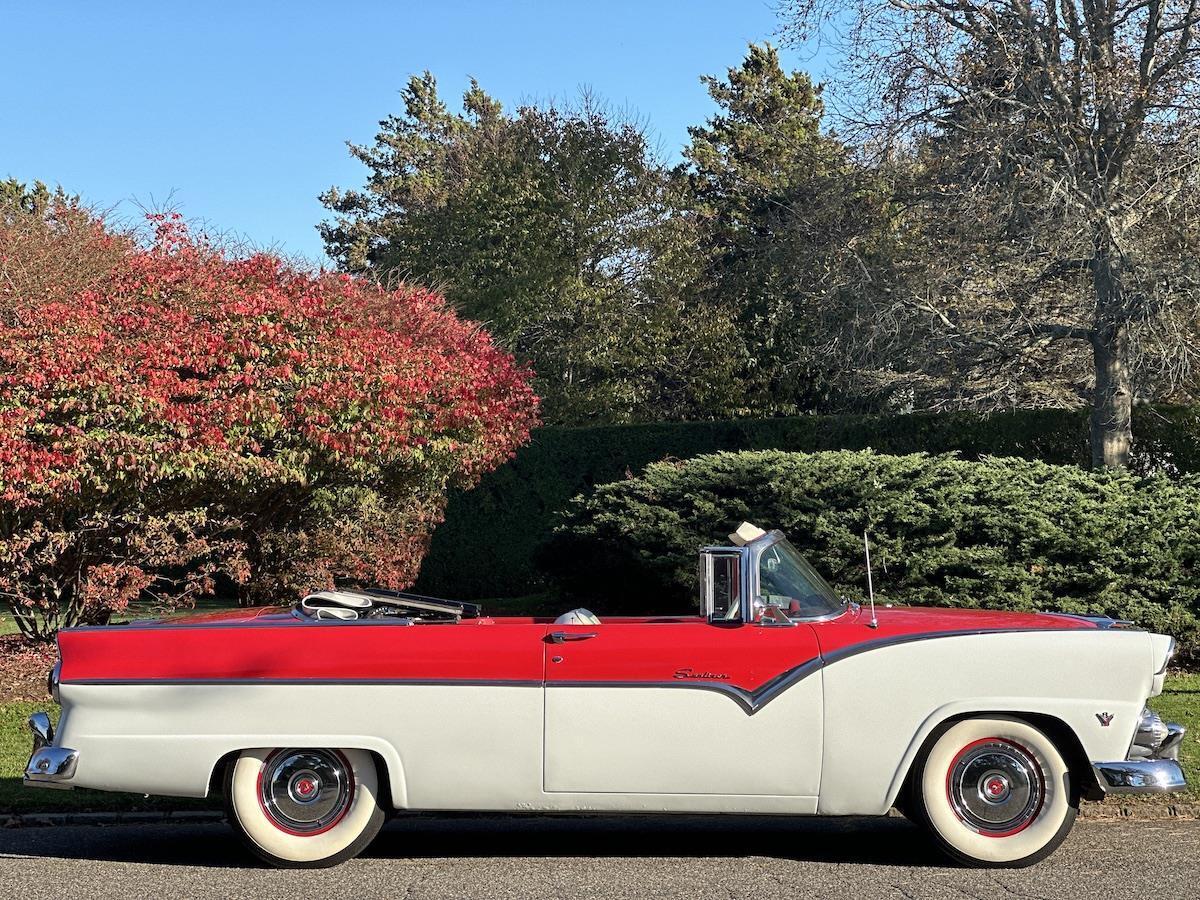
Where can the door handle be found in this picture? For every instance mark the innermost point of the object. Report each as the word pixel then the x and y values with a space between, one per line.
pixel 561 637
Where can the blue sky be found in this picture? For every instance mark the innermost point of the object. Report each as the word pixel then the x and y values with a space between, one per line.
pixel 237 113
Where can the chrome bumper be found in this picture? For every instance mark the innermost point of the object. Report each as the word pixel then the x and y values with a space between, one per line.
pixel 1153 763
pixel 49 766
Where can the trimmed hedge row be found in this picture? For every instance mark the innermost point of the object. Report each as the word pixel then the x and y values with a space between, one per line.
pixel 998 533
pixel 487 545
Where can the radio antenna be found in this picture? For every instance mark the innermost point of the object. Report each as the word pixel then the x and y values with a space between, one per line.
pixel 874 623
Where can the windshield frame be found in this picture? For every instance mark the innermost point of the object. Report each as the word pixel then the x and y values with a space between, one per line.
pixel 773 538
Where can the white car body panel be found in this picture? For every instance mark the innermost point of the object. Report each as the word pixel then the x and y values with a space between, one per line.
pixel 845 733
pixel 881 705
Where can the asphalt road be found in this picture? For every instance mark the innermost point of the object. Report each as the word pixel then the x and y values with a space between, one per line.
pixel 564 857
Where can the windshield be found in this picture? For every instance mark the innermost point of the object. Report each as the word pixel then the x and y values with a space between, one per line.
pixel 787 581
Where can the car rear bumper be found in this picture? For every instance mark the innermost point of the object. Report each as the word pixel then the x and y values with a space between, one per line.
pixel 49 766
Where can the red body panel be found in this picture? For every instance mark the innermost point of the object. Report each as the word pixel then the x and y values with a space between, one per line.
pixel 295 650
pixel 273 645
pixel 682 651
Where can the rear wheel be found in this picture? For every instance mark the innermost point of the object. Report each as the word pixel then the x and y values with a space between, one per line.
pixel 304 808
pixel 995 792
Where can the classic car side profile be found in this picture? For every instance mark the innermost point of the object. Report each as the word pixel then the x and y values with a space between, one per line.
pixel 778 698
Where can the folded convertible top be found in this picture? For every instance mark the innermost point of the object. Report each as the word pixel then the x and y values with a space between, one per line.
pixel 347 605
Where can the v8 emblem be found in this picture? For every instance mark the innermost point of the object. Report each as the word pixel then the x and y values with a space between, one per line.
pixel 1105 718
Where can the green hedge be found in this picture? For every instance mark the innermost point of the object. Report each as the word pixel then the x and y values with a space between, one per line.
pixel 487 545
pixel 998 533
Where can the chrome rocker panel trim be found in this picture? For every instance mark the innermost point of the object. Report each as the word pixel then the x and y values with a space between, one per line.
pixel 49 766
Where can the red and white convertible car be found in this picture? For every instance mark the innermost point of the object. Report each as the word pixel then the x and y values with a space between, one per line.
pixel 780 698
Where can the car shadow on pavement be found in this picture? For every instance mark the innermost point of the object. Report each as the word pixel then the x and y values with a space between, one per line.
pixel 881 841
pixel 875 841
pixel 210 846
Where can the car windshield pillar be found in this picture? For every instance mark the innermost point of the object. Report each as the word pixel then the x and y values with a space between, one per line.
pixel 784 580
pixel 767 580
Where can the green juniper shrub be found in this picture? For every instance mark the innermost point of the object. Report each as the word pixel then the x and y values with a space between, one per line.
pixel 486 546
pixel 998 533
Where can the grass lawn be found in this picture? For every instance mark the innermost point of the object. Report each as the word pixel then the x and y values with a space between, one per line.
pixel 15 798
pixel 142 611
pixel 15 745
pixel 1180 702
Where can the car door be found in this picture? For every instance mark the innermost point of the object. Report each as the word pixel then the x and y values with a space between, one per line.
pixel 682 706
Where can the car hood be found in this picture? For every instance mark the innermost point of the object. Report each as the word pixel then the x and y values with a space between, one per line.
pixel 853 633
pixel 933 619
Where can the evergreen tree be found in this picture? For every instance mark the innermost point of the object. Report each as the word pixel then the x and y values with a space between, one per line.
pixel 559 229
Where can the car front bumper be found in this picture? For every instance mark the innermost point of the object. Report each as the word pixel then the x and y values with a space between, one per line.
pixel 1153 763
pixel 49 766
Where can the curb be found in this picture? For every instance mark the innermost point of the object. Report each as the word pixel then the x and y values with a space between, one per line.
pixel 1146 811
pixel 45 819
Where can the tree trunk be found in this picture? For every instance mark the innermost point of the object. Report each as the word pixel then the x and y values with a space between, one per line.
pixel 1112 405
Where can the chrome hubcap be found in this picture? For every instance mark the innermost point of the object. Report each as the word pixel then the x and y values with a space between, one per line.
pixel 996 787
pixel 305 791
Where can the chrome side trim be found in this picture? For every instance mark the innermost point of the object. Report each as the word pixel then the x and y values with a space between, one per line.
pixel 753 701
pixel 415 682
pixel 1104 623
pixel 750 701
pixel 1140 776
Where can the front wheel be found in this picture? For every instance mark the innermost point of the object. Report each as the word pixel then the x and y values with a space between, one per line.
pixel 304 808
pixel 996 792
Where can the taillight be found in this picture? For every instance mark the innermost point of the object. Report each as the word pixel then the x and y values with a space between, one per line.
pixel 52 680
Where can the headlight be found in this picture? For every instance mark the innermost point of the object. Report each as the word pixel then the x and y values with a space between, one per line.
pixel 1171 649
pixel 52 680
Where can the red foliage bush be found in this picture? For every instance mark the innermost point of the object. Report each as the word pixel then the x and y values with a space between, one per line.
pixel 187 414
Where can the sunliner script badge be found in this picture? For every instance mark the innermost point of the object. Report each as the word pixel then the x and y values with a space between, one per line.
pixel 692 673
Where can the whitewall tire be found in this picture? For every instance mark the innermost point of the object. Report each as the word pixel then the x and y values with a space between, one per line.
pixel 304 808
pixel 995 792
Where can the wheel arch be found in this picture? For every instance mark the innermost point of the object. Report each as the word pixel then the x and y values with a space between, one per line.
pixel 1063 736
pixel 393 791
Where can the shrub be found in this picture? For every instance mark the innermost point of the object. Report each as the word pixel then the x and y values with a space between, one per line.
pixel 486 546
pixel 188 414
pixel 998 533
